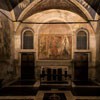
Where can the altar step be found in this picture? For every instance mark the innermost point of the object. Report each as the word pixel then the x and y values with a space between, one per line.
pixel 20 88
pixel 50 86
pixel 85 88
pixel 18 91
pixel 54 82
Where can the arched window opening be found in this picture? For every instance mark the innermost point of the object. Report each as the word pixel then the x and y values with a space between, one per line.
pixel 28 40
pixel 82 40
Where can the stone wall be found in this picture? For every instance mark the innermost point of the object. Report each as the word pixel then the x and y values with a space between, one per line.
pixel 53 16
pixel 6 49
pixel 98 52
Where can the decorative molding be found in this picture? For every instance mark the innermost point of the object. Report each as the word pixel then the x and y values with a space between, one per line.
pixel 54 63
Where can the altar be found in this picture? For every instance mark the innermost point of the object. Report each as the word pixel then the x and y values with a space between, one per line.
pixel 54 74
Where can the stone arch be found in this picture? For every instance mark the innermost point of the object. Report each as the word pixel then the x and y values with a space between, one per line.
pixel 64 34
pixel 35 2
pixel 53 19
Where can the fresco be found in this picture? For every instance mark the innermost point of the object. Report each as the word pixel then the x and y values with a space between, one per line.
pixel 54 46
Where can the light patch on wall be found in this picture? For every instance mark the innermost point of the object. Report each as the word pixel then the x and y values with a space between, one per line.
pixel 17 42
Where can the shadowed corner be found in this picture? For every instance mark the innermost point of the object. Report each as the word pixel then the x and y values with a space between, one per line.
pixel 9 4
pixel 95 4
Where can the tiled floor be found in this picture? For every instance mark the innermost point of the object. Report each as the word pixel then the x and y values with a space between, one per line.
pixel 40 94
pixel 68 95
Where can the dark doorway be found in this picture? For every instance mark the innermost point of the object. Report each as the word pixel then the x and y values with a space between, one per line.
pixel 27 66
pixel 81 66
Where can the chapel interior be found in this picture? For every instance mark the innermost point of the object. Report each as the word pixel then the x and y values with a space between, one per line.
pixel 49 50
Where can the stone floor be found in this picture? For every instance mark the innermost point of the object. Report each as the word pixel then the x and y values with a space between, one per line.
pixel 40 95
pixel 68 95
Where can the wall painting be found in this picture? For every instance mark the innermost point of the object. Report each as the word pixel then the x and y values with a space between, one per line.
pixel 54 47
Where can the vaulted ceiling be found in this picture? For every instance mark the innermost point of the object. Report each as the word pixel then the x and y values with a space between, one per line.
pixel 54 4
pixel 46 5
pixel 11 4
